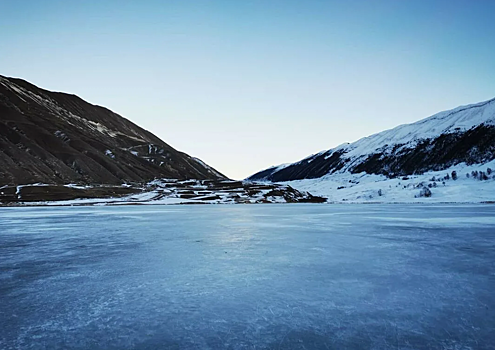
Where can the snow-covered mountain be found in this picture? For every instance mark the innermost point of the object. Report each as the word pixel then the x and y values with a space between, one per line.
pixel 57 138
pixel 463 135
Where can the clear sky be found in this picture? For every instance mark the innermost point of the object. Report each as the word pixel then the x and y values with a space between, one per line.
pixel 248 84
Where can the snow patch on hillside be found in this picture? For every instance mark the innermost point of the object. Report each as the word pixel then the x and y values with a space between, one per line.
pixel 109 154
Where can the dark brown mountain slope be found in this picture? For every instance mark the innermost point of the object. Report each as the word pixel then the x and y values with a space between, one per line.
pixel 57 138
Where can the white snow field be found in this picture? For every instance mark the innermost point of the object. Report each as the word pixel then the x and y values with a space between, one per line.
pixel 365 188
pixel 274 276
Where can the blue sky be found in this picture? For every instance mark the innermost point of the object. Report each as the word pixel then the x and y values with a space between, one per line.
pixel 248 84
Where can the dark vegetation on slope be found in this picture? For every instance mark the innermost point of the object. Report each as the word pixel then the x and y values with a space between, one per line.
pixel 476 145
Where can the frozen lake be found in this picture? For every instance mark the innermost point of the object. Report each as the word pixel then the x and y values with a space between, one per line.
pixel 248 277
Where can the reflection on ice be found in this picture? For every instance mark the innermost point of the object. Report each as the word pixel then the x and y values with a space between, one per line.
pixel 250 276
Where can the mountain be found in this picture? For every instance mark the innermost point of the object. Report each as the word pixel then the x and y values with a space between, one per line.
pixel 463 135
pixel 57 138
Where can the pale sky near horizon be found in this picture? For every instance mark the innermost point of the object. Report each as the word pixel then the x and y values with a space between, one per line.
pixel 244 85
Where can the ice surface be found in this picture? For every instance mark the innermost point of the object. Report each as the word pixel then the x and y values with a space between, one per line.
pixel 248 277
